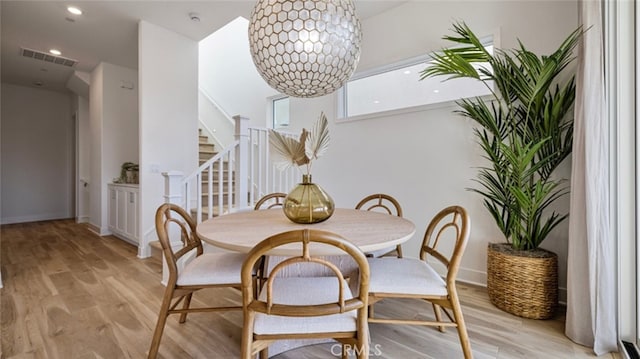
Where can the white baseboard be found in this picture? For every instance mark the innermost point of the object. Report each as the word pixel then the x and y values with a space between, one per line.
pixel 144 250
pixel 98 230
pixel 82 219
pixel 36 218
pixel 472 276
pixel 562 296
pixel 128 240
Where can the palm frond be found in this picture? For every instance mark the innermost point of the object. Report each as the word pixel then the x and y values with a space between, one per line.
pixel 289 151
pixel 302 159
pixel 318 140
pixel 525 132
pixel 457 62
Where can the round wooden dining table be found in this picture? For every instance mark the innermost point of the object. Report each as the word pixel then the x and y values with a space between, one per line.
pixel 368 230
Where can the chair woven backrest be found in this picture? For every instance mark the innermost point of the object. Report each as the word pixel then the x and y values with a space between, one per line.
pixel 271 200
pixel 305 237
pixel 451 223
pixel 175 226
pixel 380 202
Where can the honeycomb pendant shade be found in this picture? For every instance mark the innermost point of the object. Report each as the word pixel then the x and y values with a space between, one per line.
pixel 305 48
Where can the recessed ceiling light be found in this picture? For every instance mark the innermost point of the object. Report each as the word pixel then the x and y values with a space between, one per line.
pixel 436 91
pixel 407 72
pixel 376 101
pixel 74 10
pixel 55 52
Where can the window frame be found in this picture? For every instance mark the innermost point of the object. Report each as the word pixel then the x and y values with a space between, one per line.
pixel 271 108
pixel 342 93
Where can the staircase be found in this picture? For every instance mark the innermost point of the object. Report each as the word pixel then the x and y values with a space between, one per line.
pixel 230 179
pixel 206 151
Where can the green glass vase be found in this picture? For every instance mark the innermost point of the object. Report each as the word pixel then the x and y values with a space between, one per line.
pixel 308 203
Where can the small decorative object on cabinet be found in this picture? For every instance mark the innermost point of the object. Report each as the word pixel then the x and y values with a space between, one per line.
pixel 123 211
pixel 307 202
pixel 128 173
pixel 525 129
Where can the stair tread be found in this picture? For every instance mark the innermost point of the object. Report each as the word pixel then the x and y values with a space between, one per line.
pixel 205 210
pixel 203 161
pixel 215 183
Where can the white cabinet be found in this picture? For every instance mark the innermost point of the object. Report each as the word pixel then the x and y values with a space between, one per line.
pixel 123 211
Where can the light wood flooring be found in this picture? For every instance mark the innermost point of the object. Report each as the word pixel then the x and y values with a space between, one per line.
pixel 71 294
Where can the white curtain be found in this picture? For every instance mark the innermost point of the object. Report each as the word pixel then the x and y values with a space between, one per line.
pixel 591 297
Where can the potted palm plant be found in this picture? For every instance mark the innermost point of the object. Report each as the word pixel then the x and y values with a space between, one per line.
pixel 525 131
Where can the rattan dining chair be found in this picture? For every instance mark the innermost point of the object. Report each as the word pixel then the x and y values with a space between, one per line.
pixel 385 203
pixel 271 200
pixel 203 270
pixel 417 279
pixel 305 307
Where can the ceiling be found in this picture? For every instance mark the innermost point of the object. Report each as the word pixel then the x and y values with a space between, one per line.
pixel 107 31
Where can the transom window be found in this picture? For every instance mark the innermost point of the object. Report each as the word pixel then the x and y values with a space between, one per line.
pixel 398 88
pixel 280 112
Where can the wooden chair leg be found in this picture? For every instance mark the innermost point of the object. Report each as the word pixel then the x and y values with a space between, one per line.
pixel 162 320
pixel 363 336
pixel 247 336
pixel 264 353
pixel 259 279
pixel 462 328
pixel 362 351
pixel 438 314
pixel 187 303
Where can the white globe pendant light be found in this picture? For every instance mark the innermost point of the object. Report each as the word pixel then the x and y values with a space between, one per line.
pixel 305 48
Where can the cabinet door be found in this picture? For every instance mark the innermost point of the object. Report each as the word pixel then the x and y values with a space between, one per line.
pixel 132 215
pixel 121 211
pixel 112 208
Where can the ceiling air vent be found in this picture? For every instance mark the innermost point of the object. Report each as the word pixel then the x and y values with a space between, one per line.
pixel 43 56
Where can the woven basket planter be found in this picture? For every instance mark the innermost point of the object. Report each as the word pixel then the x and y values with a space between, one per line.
pixel 523 283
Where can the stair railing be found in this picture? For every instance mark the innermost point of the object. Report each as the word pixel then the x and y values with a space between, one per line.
pixel 245 166
pixel 202 184
pixel 264 175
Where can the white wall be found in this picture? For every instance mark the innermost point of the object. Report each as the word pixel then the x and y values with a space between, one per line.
pixel 37 154
pixel 228 74
pixel 95 125
pixel 83 159
pixel 113 110
pixel 168 79
pixel 427 159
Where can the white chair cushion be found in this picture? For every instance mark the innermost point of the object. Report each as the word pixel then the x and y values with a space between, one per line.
pixel 404 276
pixel 305 291
pixel 212 268
pixel 345 263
